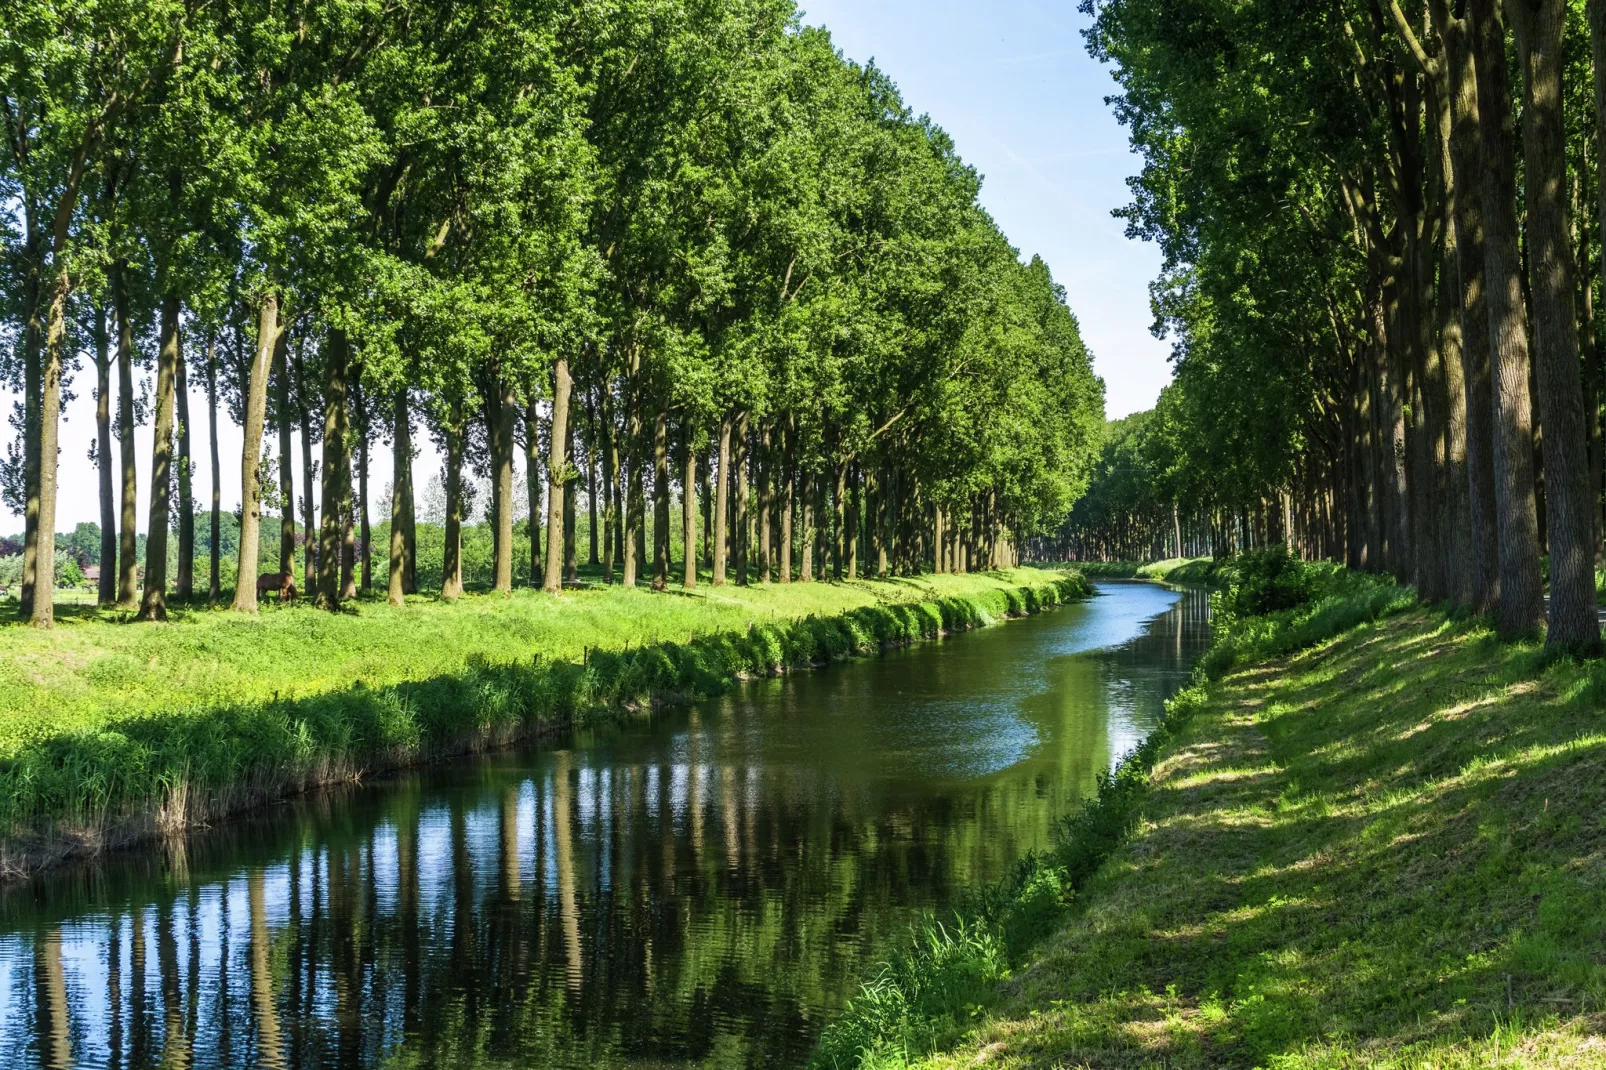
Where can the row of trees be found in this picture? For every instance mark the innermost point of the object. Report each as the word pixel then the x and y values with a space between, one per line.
pixel 1381 227
pixel 684 237
pixel 1141 502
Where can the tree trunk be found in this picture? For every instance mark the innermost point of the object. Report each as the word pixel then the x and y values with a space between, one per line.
pixel 591 480
pixel 610 486
pixel 839 523
pixel 1451 506
pixel 631 452
pixel 722 499
pixel 1573 622
pixel 503 410
pixel 1597 51
pixel 532 484
pixel 1588 340
pixel 805 572
pixel 256 404
pixel 153 606
pixel 1393 374
pixel 1466 154
pixel 32 388
pixel 660 501
pixel 409 523
pixel 401 450
pixel 452 552
pixel 688 511
pixel 705 498
pixel 1521 608
pixel 630 491
pixel 127 563
pixel 638 491
pixel 571 499
pixel 741 533
pixel 336 420
pixel 184 583
pixel 348 533
pixel 364 530
pixel 309 528
pixel 106 588
pixel 557 466
pixel 855 508
pixel 766 503
pixel 215 530
pixel 287 483
pixel 787 474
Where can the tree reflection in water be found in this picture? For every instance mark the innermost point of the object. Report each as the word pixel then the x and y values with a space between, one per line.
pixel 704 888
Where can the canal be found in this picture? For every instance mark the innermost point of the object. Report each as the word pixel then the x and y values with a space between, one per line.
pixel 702 888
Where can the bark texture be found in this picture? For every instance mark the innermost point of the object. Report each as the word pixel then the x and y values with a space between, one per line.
pixel 1573 624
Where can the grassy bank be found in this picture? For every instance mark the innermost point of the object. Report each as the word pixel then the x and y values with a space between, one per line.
pixel 1384 850
pixel 111 733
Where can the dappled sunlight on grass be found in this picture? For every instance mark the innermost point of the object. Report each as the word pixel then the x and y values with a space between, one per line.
pixel 1387 851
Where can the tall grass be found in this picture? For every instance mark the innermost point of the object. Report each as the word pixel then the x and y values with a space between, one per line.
pixel 125 778
pixel 926 995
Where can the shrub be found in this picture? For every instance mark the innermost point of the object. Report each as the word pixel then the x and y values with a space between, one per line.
pixel 1266 581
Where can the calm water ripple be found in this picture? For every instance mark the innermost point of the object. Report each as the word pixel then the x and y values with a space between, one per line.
pixel 701 889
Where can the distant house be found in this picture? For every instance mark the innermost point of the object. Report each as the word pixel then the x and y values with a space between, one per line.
pixel 92 573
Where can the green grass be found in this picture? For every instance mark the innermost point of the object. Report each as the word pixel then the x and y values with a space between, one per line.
pixel 110 732
pixel 1384 850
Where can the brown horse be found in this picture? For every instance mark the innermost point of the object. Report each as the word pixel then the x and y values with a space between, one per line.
pixel 283 582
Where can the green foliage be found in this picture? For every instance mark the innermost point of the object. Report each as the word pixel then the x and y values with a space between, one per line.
pixel 1336 600
pixel 704 211
pixel 1259 582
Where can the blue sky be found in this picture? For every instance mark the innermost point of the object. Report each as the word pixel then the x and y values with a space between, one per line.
pixel 1013 84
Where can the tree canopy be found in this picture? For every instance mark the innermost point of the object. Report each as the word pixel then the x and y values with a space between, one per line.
pixel 623 234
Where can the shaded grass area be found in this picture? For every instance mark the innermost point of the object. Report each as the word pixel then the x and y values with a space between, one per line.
pixel 1107 570
pixel 1383 851
pixel 1200 570
pixel 159 727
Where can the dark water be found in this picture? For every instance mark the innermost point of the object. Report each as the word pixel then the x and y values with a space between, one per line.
pixel 703 889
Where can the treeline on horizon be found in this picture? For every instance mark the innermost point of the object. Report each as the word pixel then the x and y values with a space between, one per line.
pixel 1381 227
pixel 646 243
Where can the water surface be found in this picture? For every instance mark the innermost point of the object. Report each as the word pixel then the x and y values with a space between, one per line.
pixel 701 889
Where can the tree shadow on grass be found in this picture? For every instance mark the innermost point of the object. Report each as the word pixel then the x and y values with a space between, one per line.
pixel 1387 845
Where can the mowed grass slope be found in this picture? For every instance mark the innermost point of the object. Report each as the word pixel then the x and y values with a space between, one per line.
pixel 1387 851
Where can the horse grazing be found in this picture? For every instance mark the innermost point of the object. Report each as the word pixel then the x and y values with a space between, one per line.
pixel 283 582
